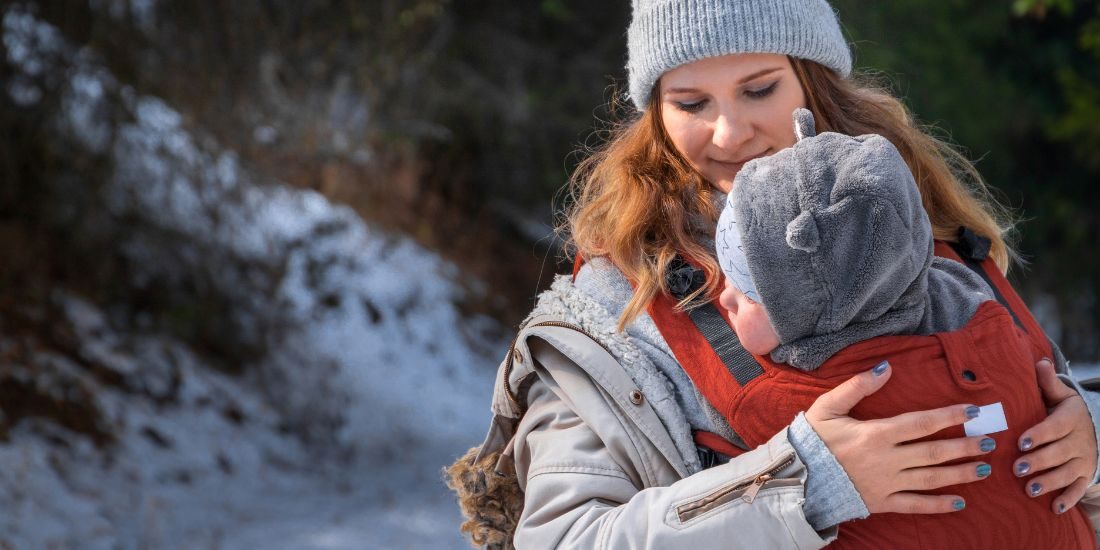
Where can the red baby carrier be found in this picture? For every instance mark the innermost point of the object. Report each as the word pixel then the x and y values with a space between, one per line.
pixel 991 359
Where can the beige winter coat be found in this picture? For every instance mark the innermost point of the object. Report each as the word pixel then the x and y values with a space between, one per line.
pixel 599 469
pixel 604 458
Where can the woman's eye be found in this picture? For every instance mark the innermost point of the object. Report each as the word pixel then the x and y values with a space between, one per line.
pixel 762 92
pixel 693 107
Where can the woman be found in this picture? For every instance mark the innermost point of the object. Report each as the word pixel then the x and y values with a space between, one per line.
pixel 594 417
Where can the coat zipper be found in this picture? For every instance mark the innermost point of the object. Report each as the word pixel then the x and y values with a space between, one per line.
pixel 511 355
pixel 570 326
pixel 747 490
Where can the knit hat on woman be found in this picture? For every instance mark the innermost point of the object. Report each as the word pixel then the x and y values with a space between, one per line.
pixel 665 34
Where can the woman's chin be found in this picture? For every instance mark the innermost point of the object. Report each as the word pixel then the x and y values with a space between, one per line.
pixel 723 184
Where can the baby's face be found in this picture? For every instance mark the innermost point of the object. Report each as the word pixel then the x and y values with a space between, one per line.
pixel 750 321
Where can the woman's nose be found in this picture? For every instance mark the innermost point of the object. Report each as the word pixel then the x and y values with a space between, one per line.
pixel 730 133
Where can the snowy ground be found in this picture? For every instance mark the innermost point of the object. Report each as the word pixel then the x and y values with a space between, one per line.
pixel 1086 372
pixel 190 476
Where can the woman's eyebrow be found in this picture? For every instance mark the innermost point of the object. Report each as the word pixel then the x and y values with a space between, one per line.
pixel 752 76
pixel 759 74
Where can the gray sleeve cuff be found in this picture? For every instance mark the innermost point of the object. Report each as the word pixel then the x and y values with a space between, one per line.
pixel 1092 402
pixel 831 498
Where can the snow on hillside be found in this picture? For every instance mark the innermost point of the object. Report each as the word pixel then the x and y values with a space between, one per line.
pixel 378 349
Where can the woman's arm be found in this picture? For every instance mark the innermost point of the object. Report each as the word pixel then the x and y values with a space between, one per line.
pixel 577 494
pixel 580 493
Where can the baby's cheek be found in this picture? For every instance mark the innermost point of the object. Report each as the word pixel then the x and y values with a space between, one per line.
pixel 772 339
pixel 755 330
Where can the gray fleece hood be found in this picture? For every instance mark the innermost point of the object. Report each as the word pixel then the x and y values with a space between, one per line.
pixel 836 240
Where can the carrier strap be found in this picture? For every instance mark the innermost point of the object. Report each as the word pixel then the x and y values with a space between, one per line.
pixel 702 339
pixel 717 331
pixel 972 250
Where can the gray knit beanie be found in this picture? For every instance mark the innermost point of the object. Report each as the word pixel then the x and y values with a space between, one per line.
pixel 665 34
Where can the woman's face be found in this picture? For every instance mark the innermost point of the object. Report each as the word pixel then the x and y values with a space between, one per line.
pixel 722 112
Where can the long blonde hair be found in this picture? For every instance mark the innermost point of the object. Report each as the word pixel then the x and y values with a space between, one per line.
pixel 638 202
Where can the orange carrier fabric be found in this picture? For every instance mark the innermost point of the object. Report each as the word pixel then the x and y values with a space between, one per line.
pixel 989 360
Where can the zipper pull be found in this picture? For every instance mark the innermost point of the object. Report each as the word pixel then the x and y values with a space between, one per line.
pixel 750 493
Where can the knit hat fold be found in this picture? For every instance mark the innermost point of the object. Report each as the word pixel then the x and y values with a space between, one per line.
pixel 665 34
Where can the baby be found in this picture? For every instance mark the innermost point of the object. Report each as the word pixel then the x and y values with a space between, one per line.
pixel 826 244
pixel 829 265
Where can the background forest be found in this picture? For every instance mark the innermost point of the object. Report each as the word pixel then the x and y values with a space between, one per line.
pixel 260 257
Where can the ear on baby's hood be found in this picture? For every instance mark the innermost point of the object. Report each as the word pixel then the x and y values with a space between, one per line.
pixel 803 124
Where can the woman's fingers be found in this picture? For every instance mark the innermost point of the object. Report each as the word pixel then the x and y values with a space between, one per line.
pixel 839 401
pixel 1062 476
pixel 885 473
pixel 927 453
pixel 1069 498
pixel 1054 391
pixel 915 425
pixel 1057 453
pixel 913 503
pixel 1055 426
pixel 928 478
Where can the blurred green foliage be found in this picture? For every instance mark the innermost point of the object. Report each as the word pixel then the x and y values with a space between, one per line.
pixel 1018 87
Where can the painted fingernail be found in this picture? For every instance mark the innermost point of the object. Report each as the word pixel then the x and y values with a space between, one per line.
pixel 1023 468
pixel 958 504
pixel 984 470
pixel 972 412
pixel 1034 489
pixel 1026 444
pixel 1061 507
pixel 880 368
pixel 987 445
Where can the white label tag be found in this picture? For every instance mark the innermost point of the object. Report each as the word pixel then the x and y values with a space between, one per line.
pixel 990 421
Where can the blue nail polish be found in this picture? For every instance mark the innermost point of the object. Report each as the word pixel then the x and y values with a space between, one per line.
pixel 987 445
pixel 972 412
pixel 958 505
pixel 1035 489
pixel 984 470
pixel 1061 507
pixel 1023 468
pixel 880 368
pixel 1026 444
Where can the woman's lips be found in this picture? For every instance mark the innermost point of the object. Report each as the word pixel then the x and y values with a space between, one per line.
pixel 736 165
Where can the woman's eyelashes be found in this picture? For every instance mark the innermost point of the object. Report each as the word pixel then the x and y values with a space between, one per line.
pixel 696 106
pixel 691 107
pixel 762 92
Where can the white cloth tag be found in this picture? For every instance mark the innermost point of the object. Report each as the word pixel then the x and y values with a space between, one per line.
pixel 990 421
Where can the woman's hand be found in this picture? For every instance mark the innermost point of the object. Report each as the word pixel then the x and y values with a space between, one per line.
pixel 1063 445
pixel 883 467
